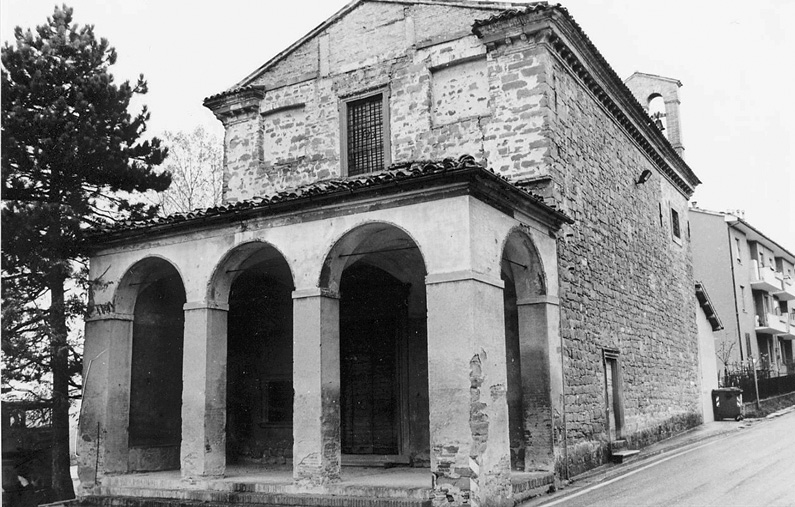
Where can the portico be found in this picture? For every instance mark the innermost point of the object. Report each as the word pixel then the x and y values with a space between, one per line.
pixel 337 325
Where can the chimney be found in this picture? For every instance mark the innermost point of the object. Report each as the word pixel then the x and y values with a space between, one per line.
pixel 648 87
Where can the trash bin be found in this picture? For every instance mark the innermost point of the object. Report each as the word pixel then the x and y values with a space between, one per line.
pixel 727 402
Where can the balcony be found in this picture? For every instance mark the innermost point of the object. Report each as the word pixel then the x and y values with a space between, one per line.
pixel 790 334
pixel 788 290
pixel 765 278
pixel 770 323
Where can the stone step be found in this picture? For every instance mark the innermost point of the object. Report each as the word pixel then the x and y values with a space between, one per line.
pixel 617 445
pixel 623 455
pixel 223 499
pixel 531 484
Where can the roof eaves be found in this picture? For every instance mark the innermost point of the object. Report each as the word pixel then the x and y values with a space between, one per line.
pixel 709 309
pixel 295 45
pixel 734 220
pixel 655 76
pixel 410 171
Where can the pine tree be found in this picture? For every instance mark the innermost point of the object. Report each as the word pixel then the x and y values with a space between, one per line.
pixel 69 146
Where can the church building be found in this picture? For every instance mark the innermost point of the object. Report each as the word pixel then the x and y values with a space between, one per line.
pixel 452 267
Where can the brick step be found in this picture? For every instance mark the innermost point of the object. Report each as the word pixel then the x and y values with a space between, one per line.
pixel 623 455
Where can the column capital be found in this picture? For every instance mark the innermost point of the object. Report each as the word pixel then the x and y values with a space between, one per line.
pixel 543 299
pixel 205 305
pixel 313 292
pixel 463 275
pixel 110 316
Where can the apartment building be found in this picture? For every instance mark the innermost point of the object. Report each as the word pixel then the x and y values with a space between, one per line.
pixel 752 283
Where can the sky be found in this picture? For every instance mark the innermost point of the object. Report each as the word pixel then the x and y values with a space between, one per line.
pixel 733 57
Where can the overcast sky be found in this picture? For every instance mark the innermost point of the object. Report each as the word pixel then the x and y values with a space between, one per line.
pixel 734 58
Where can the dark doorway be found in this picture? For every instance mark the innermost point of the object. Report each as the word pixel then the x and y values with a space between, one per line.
pixel 614 395
pixel 156 376
pixel 260 366
pixel 373 318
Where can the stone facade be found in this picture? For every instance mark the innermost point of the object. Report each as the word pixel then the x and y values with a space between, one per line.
pixel 548 326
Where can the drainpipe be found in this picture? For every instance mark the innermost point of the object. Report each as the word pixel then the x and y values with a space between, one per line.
pixel 734 290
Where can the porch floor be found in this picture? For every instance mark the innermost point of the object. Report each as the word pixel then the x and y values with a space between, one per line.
pixel 252 483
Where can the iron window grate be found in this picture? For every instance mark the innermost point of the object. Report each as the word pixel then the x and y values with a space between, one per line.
pixel 365 135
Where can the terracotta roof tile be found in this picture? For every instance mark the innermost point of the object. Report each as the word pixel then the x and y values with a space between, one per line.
pixel 394 175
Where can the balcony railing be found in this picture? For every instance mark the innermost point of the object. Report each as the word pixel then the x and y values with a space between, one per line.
pixel 765 278
pixel 790 333
pixel 770 323
pixel 787 292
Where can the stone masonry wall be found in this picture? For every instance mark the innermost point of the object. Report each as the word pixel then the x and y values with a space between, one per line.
pixel 447 98
pixel 625 282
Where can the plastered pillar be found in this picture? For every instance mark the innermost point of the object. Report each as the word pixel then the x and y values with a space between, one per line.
pixel 467 383
pixel 542 379
pixel 105 410
pixel 203 450
pixel 316 380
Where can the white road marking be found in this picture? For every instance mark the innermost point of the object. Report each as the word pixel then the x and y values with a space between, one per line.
pixel 602 484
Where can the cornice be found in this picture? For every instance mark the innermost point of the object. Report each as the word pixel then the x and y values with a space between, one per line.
pixel 552 27
pixel 236 105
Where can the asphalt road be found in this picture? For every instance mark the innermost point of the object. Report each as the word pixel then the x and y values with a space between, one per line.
pixel 752 467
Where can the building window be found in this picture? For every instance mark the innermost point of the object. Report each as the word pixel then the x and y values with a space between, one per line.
pixel 675 224
pixel 365 139
pixel 742 296
pixel 739 251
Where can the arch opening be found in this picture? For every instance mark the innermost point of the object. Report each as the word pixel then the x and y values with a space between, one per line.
pixel 384 414
pixel 259 376
pixel 527 355
pixel 157 294
pixel 656 108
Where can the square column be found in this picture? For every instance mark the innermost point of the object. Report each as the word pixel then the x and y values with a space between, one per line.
pixel 316 380
pixel 467 383
pixel 103 443
pixel 203 450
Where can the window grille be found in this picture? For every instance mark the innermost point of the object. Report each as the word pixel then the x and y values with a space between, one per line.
pixel 675 224
pixel 365 129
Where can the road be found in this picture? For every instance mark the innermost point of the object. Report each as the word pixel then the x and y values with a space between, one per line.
pixel 752 467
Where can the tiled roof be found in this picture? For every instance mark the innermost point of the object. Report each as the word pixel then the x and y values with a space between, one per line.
pixel 405 172
pixel 231 91
pixel 709 309
pixel 510 13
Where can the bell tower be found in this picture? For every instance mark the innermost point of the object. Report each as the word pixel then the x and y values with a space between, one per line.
pixel 659 97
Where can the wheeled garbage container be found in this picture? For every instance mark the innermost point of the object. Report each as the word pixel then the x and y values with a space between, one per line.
pixel 727 402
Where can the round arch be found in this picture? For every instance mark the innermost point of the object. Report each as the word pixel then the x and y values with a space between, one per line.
pixel 254 282
pixel 527 353
pixel 378 272
pixel 366 239
pixel 153 293
pixel 521 263
pixel 139 274
pixel 237 260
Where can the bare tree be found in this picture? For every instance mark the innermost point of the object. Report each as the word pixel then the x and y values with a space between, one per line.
pixel 724 354
pixel 195 163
